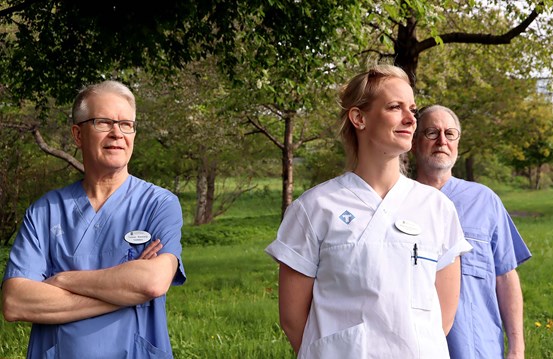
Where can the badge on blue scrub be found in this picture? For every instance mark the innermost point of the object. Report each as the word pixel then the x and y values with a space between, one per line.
pixel 408 227
pixel 137 237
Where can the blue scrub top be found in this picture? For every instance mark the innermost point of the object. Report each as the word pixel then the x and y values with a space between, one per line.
pixel 497 249
pixel 61 232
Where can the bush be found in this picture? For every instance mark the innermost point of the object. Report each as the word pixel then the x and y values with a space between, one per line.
pixel 230 231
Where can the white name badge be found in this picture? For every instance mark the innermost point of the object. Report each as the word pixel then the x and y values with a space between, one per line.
pixel 137 237
pixel 408 227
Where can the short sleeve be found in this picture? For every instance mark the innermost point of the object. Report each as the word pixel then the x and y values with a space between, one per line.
pixel 455 243
pixel 28 257
pixel 509 249
pixel 296 244
pixel 167 225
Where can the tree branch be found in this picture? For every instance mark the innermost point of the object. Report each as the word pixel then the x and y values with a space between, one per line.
pixel 265 132
pixel 33 128
pixel 303 140
pixel 55 152
pixel 20 126
pixel 381 54
pixel 16 8
pixel 485 39
pixel 309 139
pixel 227 201
pixel 275 111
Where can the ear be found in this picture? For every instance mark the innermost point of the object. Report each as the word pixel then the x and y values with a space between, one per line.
pixel 76 132
pixel 357 118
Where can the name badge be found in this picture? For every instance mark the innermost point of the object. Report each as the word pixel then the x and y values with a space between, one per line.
pixel 137 237
pixel 408 227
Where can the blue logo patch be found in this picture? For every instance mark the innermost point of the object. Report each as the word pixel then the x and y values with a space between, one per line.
pixel 347 217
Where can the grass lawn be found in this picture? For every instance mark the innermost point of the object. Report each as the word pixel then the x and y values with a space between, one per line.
pixel 228 307
pixel 534 219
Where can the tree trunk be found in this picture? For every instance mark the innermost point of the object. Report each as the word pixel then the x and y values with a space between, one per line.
pixel 529 176
pixel 201 196
pixel 211 175
pixel 469 168
pixel 176 184
pixel 10 186
pixel 537 179
pixel 205 191
pixel 406 55
pixel 287 163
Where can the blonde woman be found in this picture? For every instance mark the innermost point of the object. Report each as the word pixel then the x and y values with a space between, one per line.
pixel 369 261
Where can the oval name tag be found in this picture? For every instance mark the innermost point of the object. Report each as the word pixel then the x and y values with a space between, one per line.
pixel 408 227
pixel 137 237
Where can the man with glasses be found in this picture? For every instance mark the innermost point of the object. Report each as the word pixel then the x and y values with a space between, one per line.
pixel 491 297
pixel 92 262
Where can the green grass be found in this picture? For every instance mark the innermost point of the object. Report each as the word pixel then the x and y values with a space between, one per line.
pixel 228 307
pixel 13 336
pixel 533 214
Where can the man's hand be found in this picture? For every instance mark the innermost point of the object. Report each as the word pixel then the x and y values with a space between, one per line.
pixel 150 252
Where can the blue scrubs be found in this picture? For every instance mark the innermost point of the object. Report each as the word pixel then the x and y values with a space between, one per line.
pixel 61 232
pixel 498 248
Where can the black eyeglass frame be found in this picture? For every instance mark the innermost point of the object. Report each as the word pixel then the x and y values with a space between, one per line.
pixel 438 132
pixel 112 122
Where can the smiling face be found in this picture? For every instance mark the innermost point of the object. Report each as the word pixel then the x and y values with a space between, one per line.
pixel 388 125
pixel 438 154
pixel 105 152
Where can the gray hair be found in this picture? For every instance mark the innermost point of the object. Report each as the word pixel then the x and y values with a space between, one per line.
pixel 80 107
pixel 427 110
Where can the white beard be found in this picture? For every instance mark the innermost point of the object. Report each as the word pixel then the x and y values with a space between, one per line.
pixel 439 162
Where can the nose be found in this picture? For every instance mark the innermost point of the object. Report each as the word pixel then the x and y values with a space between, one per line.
pixel 116 131
pixel 409 118
pixel 442 140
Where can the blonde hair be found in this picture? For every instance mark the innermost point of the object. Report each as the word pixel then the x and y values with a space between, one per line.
pixel 80 108
pixel 361 92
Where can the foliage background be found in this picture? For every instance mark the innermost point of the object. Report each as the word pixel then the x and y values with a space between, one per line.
pixel 235 87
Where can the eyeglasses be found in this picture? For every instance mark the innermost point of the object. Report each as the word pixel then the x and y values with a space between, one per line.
pixel 106 124
pixel 433 133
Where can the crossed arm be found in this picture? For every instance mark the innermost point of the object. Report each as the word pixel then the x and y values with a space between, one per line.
pixel 75 295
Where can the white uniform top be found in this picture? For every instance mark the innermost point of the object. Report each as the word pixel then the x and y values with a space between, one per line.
pixel 374 294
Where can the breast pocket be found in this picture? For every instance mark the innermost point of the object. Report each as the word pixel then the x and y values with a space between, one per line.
pixel 478 262
pixel 143 349
pixel 423 277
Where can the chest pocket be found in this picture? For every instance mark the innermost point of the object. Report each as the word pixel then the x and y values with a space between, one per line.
pixel 421 271
pixel 478 262
pixel 423 277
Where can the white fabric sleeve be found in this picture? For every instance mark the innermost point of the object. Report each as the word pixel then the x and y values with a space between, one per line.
pixel 455 243
pixel 296 244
